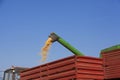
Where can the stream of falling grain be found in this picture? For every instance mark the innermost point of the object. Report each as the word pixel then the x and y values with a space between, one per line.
pixel 45 49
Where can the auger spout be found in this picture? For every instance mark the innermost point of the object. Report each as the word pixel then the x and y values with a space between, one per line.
pixel 55 37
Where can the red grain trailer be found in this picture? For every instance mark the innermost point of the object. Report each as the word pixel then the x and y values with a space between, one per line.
pixel 111 62
pixel 70 68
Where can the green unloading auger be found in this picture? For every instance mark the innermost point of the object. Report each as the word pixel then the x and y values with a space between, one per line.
pixel 55 37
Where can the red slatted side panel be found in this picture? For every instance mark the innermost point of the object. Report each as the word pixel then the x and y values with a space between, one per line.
pixel 89 68
pixel 60 69
pixel 111 63
pixel 32 73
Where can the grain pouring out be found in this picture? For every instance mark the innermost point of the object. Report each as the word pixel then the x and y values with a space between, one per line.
pixel 45 49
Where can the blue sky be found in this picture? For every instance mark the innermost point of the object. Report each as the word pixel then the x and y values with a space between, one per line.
pixel 88 25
